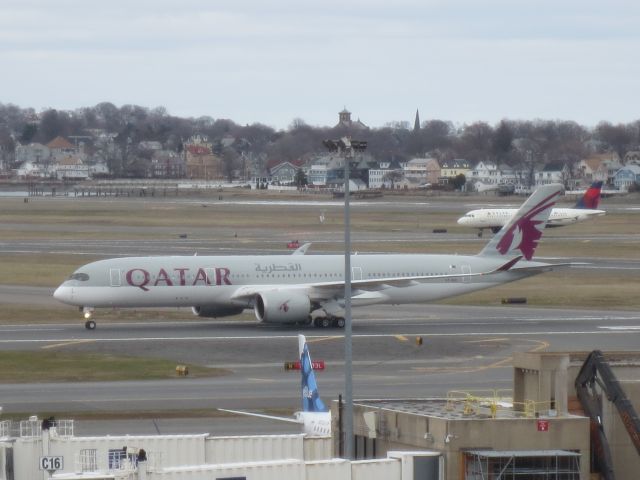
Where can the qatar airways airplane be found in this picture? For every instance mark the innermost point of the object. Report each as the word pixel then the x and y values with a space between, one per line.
pixel 294 289
pixel 495 218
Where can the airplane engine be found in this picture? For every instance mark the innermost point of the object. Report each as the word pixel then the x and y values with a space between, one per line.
pixel 213 311
pixel 282 307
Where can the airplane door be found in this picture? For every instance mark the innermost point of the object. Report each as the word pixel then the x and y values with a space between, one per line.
pixel 356 273
pixel 116 280
pixel 466 269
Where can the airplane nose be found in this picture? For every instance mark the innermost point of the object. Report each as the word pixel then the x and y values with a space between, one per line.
pixel 63 294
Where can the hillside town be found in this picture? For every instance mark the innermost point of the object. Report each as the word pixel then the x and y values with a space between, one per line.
pixel 426 156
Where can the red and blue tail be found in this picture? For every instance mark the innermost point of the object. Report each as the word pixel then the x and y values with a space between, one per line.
pixel 591 197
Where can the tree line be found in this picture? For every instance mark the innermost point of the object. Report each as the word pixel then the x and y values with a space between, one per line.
pixel 516 143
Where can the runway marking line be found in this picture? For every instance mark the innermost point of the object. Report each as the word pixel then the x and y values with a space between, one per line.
pixel 260 380
pixel 487 340
pixel 64 344
pixel 541 345
pixel 323 339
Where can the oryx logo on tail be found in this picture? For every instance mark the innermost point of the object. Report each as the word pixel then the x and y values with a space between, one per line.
pixel 526 232
pixel 520 236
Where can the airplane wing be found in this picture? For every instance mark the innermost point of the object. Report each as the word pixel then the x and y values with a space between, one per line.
pixel 261 415
pixel 322 290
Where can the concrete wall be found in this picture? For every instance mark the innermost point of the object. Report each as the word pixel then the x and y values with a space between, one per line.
pixel 404 431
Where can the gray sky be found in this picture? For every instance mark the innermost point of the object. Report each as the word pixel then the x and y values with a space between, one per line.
pixel 274 61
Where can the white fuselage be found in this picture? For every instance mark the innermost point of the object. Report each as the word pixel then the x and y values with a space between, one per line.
pixel 178 281
pixel 498 217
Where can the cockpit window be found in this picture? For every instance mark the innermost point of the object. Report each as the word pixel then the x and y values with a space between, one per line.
pixel 81 277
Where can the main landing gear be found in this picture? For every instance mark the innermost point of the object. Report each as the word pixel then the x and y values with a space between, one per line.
pixel 329 322
pixel 87 312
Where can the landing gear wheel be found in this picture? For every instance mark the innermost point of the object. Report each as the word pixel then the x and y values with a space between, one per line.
pixel 480 234
pixel 90 325
pixel 340 322
pixel 325 322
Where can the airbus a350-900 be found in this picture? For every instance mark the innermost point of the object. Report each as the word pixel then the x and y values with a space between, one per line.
pixel 290 289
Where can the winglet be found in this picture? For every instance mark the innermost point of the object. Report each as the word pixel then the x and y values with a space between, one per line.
pixel 311 401
pixel 521 234
pixel 301 250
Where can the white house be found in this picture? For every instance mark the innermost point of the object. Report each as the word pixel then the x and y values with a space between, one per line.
pixel 32 153
pixel 71 168
pixel 552 173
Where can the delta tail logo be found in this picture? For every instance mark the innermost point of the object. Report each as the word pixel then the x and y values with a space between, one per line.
pixel 525 233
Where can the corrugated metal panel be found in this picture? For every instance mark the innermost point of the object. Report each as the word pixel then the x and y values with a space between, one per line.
pixel 383 469
pixel 174 450
pixel 317 448
pixel 26 453
pixel 254 448
pixel 283 470
pixel 335 469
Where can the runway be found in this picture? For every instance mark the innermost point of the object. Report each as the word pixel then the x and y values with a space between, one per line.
pixel 464 348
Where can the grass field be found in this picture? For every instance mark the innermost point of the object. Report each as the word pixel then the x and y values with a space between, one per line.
pixel 137 219
pixel 54 366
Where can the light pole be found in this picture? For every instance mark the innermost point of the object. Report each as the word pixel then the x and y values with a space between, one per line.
pixel 347 148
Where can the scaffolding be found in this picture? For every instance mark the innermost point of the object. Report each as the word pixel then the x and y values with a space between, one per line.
pixel 522 465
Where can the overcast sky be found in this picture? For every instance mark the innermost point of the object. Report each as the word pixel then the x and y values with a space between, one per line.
pixel 274 61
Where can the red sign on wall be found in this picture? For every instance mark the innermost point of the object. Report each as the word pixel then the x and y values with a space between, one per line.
pixel 543 425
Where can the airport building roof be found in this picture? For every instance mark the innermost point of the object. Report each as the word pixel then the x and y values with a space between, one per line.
pixel 455 408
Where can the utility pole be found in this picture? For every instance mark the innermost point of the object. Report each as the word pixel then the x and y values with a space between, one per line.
pixel 347 148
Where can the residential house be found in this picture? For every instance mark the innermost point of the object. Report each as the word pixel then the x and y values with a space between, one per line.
pixel 283 173
pixel 71 168
pixel 416 168
pixel 599 167
pixel 34 153
pixel 61 148
pixel 627 177
pixel 487 176
pixel 451 169
pixel 317 174
pixel 552 173
pixel 200 162
pixel 167 164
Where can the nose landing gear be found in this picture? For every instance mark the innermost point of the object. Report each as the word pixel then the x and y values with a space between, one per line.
pixel 87 312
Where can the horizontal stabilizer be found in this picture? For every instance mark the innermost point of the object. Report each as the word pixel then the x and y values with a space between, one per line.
pixel 261 415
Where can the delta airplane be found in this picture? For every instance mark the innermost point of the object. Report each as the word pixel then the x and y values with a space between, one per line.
pixel 315 417
pixel 496 218
pixel 294 289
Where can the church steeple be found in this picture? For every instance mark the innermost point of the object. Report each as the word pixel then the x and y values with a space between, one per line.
pixel 416 124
